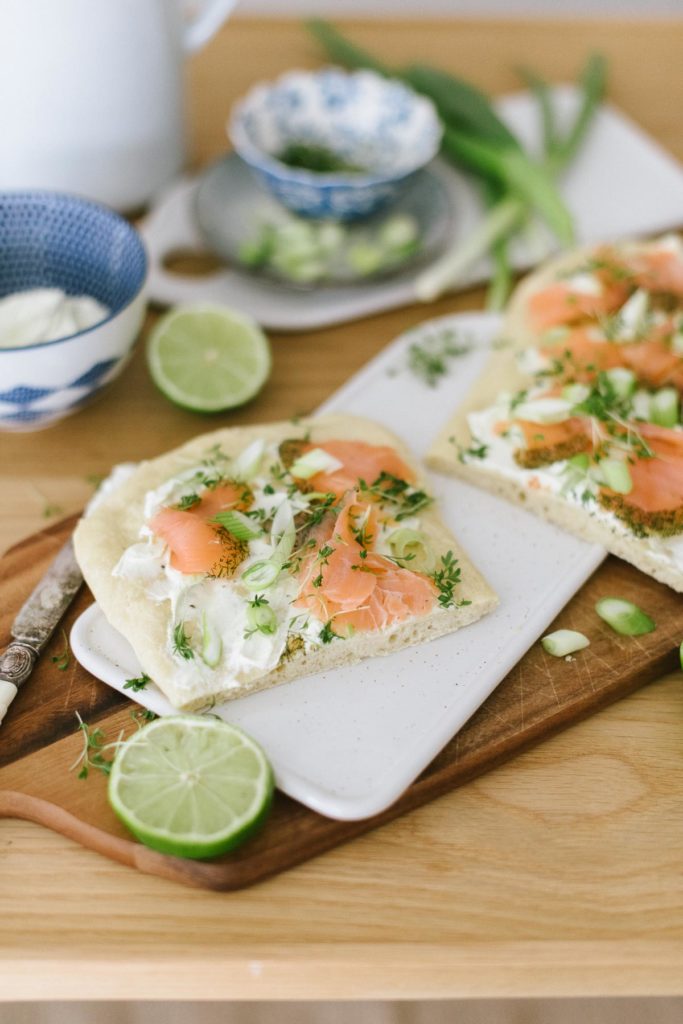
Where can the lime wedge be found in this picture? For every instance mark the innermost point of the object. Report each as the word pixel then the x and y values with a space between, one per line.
pixel 208 358
pixel 191 785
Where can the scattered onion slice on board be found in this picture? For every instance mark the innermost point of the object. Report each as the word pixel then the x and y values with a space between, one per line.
pixel 563 642
pixel 624 617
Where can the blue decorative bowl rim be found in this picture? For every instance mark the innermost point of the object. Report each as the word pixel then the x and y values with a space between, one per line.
pixel 12 195
pixel 254 156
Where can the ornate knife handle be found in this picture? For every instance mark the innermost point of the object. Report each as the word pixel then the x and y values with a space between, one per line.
pixel 16 665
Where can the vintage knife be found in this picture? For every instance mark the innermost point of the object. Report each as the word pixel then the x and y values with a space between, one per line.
pixel 36 622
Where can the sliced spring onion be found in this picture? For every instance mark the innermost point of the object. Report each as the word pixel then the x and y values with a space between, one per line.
pixel 299 270
pixel 554 335
pixel 261 575
pixel 412 549
pixel 331 236
pixel 575 393
pixel 616 475
pixel 283 533
pixel 544 410
pixel 631 319
pixel 317 460
pixel 531 361
pixel 624 617
pixel 247 464
pixel 576 473
pixel 398 231
pixel 640 404
pixel 212 645
pixel 680 655
pixel 665 407
pixel 563 642
pixel 239 525
pixel 677 341
pixel 255 252
pixel 261 617
pixel 365 258
pixel 623 381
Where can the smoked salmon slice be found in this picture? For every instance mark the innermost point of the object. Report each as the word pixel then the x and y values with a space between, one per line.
pixel 655 502
pixel 659 269
pixel 360 461
pixel 581 357
pixel 348 583
pixel 196 544
pixel 560 304
pixel 550 442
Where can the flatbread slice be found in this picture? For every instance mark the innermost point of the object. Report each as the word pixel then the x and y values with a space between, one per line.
pixel 481 441
pixel 208 638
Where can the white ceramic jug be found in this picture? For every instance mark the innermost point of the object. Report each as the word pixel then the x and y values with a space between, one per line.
pixel 91 93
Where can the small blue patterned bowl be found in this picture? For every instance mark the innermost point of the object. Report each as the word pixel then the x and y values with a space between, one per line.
pixel 367 121
pixel 49 239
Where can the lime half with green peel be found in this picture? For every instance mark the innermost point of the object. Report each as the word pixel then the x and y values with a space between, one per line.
pixel 191 785
pixel 208 358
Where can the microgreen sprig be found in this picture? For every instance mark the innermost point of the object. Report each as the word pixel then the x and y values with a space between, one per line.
pixel 63 659
pixel 446 579
pixel 138 683
pixel 181 642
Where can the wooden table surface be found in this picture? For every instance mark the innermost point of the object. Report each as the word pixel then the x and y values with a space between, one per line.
pixel 559 874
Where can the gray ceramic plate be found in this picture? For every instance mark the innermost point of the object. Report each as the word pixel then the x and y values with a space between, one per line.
pixel 230 208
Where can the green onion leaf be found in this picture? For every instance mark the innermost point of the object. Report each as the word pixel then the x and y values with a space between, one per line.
pixel 624 617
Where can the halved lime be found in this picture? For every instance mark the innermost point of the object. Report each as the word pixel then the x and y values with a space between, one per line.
pixel 208 358
pixel 191 785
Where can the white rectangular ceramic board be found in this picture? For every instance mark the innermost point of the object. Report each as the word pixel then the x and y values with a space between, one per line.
pixel 348 742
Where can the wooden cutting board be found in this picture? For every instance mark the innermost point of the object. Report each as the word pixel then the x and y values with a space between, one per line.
pixel 39 740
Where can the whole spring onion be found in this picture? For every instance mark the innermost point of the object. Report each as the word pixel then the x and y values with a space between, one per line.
pixel 624 617
pixel 514 185
pixel 563 642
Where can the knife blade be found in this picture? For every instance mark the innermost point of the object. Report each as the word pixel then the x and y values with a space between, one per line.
pixel 36 622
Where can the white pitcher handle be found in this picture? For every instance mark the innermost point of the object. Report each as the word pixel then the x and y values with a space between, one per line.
pixel 209 17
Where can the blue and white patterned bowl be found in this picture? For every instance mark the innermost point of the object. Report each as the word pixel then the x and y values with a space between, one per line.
pixel 368 121
pixel 50 239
